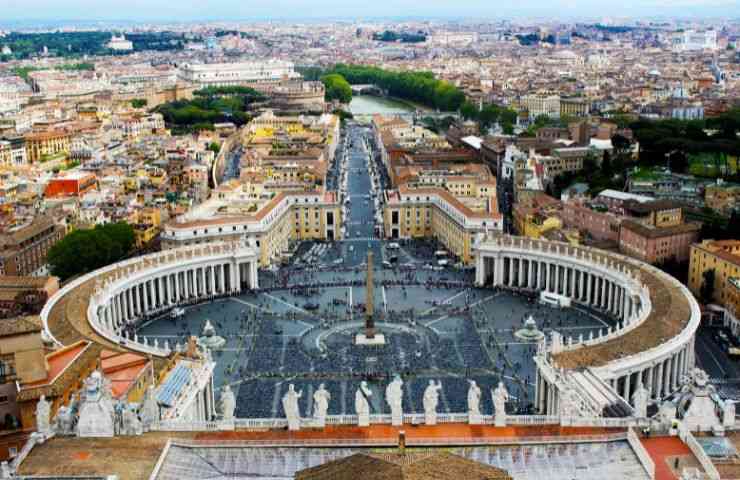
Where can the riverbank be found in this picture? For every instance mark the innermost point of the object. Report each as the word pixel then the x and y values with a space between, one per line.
pixel 370 105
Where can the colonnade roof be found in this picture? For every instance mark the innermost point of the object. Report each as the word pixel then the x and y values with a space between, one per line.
pixel 669 315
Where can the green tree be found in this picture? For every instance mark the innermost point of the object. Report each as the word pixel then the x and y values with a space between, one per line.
pixel 83 251
pixel 469 111
pixel 337 88
pixel 139 102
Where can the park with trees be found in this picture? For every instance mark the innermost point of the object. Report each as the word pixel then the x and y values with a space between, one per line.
pixel 210 106
pixel 77 44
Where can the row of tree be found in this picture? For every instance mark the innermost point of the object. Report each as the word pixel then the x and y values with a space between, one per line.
pixel 83 251
pixel 419 87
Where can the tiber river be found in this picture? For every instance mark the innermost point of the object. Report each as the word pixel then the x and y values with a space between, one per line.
pixel 369 105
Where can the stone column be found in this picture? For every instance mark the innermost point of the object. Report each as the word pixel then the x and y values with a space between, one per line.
pixel 255 275
pixel 238 270
pixel 627 387
pixel 145 293
pixel 217 277
pixel 176 276
pixel 163 298
pixel 137 298
pixel 117 311
pixel 588 288
pixel 479 270
pixel 213 280
pixel 530 276
pixel 107 316
pixel 667 377
pixel 547 277
pixel 511 272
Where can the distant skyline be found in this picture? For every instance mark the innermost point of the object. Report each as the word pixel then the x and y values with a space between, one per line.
pixel 235 10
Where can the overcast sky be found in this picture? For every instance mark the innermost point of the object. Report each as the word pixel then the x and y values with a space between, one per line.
pixel 187 10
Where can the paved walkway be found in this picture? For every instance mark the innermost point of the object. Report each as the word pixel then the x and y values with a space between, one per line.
pixel 664 451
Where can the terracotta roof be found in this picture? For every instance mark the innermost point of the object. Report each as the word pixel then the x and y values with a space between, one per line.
pixel 20 325
pixel 38 225
pixel 123 369
pixel 403 466
pixel 18 282
pixel 658 232
pixel 66 366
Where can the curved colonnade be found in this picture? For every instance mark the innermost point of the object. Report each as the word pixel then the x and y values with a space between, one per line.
pixel 656 317
pixel 145 286
pixel 651 342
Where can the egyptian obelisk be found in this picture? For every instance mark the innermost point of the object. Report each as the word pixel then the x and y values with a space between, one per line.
pixel 368 335
pixel 369 300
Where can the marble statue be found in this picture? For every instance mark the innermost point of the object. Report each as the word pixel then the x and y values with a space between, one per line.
pixel 228 403
pixel 149 409
pixel 106 390
pixel 474 394
pixel 290 405
pixel 130 423
pixel 394 399
pixel 431 401
pixel 97 414
pixel 64 422
pixel 640 400
pixel 567 406
pixel 43 413
pixel 500 397
pixel 728 414
pixel 698 403
pixel 321 399
pixel 362 404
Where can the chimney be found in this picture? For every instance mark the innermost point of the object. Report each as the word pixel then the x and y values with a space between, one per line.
pixel 402 442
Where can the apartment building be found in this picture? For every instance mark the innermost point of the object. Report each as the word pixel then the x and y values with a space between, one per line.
pixel 269 221
pixel 24 248
pixel 453 211
pixel 722 256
